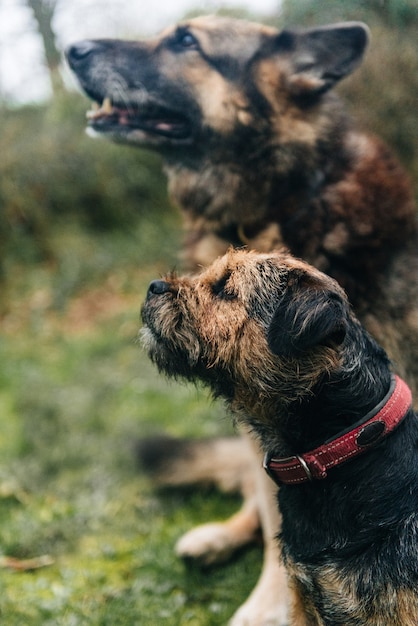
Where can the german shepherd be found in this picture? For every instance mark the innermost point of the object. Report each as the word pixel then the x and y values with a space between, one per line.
pixel 259 151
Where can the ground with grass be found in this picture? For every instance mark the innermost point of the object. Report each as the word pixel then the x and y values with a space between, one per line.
pixel 85 538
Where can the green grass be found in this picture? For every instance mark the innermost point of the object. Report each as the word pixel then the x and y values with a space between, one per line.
pixel 76 391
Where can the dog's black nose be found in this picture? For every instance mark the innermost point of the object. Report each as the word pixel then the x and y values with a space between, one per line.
pixel 158 287
pixel 78 52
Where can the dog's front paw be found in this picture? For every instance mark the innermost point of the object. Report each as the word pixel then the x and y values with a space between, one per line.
pixel 211 543
pixel 272 612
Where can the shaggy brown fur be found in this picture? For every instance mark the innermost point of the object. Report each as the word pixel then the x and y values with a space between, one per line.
pixel 278 340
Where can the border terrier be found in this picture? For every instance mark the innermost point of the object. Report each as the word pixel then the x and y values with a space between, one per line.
pixel 277 339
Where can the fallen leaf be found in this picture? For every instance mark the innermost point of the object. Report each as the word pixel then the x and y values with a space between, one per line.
pixel 25 565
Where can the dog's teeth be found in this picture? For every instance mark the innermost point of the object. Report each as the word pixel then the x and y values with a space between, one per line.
pixel 107 105
pixel 95 108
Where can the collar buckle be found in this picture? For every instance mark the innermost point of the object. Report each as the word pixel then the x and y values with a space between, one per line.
pixel 295 465
pixel 314 465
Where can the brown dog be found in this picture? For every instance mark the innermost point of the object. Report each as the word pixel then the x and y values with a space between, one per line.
pixel 259 151
pixel 278 340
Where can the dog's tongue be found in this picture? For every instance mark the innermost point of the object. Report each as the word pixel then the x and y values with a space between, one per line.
pixel 164 126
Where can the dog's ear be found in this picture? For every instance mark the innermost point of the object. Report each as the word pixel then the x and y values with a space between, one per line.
pixel 320 57
pixel 308 315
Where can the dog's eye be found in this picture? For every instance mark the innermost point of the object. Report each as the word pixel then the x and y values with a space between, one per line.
pixel 185 39
pixel 220 288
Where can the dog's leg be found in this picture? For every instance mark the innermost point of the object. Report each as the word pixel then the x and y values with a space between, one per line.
pixel 215 542
pixel 268 603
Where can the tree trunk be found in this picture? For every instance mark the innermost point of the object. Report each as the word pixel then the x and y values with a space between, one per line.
pixel 43 12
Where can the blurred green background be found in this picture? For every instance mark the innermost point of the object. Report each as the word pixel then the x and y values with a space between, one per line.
pixel 84 226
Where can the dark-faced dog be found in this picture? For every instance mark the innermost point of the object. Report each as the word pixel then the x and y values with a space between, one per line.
pixel 278 340
pixel 259 150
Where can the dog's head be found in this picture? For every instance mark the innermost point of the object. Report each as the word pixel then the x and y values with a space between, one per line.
pixel 272 335
pixel 199 78
pixel 262 330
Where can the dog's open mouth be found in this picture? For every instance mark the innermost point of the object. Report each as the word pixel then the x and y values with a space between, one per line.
pixel 109 117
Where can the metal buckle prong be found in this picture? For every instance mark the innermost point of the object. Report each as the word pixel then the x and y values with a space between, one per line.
pixel 305 467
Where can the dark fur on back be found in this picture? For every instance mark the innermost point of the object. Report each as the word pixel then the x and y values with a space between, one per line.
pixel 259 150
pixel 278 340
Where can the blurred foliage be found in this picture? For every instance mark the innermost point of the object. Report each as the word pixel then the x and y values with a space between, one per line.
pixel 392 13
pixel 51 171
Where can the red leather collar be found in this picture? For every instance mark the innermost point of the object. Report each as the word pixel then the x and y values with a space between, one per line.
pixel 315 464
